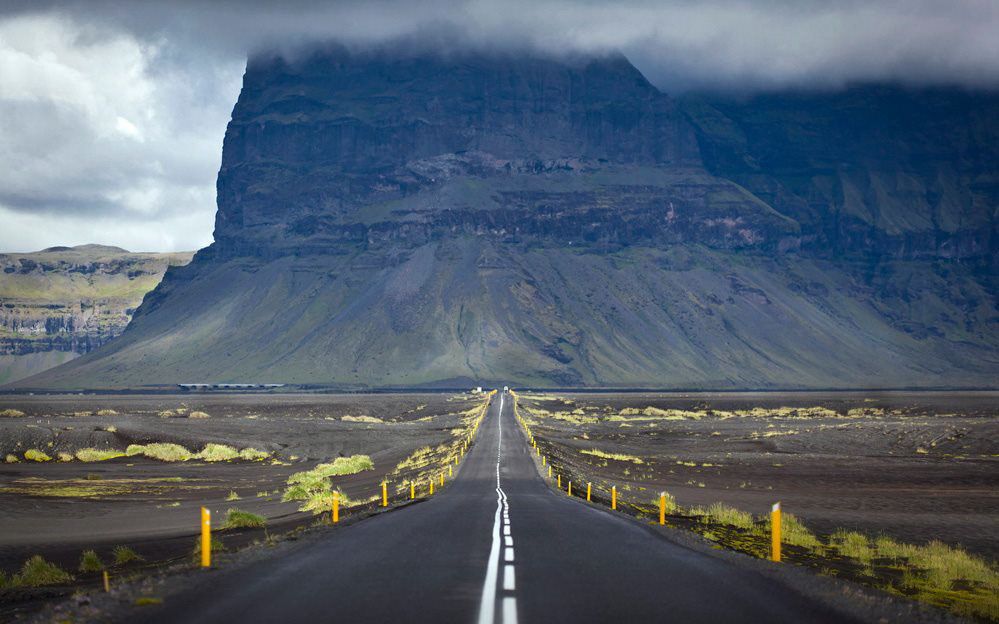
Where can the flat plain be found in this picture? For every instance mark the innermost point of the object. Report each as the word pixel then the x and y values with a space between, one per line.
pixel 133 470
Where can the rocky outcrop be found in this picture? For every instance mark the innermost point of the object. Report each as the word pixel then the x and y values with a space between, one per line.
pixel 403 219
pixel 63 302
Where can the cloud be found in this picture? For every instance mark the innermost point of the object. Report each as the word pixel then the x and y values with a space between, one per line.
pixel 103 139
pixel 113 112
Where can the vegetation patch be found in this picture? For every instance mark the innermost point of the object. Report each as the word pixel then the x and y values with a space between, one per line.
pixel 37 572
pixel 123 555
pixel 362 419
pixel 147 601
pixel 36 455
pixel 96 455
pixel 11 413
pixel 92 488
pixel 216 547
pixel 107 412
pixel 314 487
pixel 614 456
pixel 198 415
pixel 218 453
pixel 90 562
pixel 162 451
pixel 12 459
pixel 252 454
pixel 239 519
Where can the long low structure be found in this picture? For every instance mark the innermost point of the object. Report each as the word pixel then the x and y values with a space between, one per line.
pixel 227 386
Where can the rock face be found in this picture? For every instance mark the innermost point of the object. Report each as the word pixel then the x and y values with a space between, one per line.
pixel 405 219
pixel 62 302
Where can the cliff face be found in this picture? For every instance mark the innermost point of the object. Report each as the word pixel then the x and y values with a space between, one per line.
pixel 392 219
pixel 63 302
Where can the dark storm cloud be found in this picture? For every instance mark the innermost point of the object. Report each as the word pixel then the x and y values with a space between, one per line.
pixel 112 112
pixel 678 43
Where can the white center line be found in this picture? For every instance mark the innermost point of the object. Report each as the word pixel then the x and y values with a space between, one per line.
pixel 509 611
pixel 487 607
pixel 508 580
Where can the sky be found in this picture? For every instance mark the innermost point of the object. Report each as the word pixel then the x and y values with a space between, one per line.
pixel 112 113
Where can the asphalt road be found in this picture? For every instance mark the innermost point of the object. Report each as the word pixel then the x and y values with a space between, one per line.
pixel 498 545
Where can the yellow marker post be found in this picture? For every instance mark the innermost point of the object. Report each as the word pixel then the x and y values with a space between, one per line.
pixel 456 460
pixel 560 482
pixel 544 460
pixel 384 494
pixel 570 488
pixel 442 479
pixel 588 486
pixel 549 471
pixel 431 486
pixel 775 532
pixel 450 470
pixel 662 508
pixel 206 538
pixel 412 490
pixel 107 583
pixel 336 507
pixel 613 497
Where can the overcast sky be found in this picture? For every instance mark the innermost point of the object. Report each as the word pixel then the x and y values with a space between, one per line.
pixel 112 113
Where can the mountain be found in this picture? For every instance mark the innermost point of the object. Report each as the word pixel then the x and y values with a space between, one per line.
pixel 62 302
pixel 392 218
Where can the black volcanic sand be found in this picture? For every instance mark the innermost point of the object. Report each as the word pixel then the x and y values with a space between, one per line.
pixel 158 511
pixel 916 467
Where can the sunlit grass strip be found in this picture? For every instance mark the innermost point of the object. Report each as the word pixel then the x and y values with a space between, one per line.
pixel 314 488
pixel 614 456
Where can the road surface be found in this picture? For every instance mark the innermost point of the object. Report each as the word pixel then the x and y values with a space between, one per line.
pixel 498 545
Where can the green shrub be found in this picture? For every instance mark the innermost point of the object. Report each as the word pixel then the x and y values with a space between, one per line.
pixel 37 572
pixel 96 455
pixel 90 562
pixel 36 455
pixel 239 519
pixel 218 453
pixel 124 555
pixel 11 413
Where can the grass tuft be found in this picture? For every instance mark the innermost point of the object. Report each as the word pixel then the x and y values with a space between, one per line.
pixel 37 572
pixel 852 544
pixel 252 454
pixel 96 455
pixel 11 413
pixel 198 415
pixel 218 453
pixel 12 459
pixel 162 451
pixel 233 496
pixel 147 601
pixel 671 506
pixel 90 562
pixel 239 519
pixel 614 456
pixel 313 486
pixel 362 419
pixel 107 412
pixel 36 455
pixel 217 547
pixel 123 555
pixel 723 514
